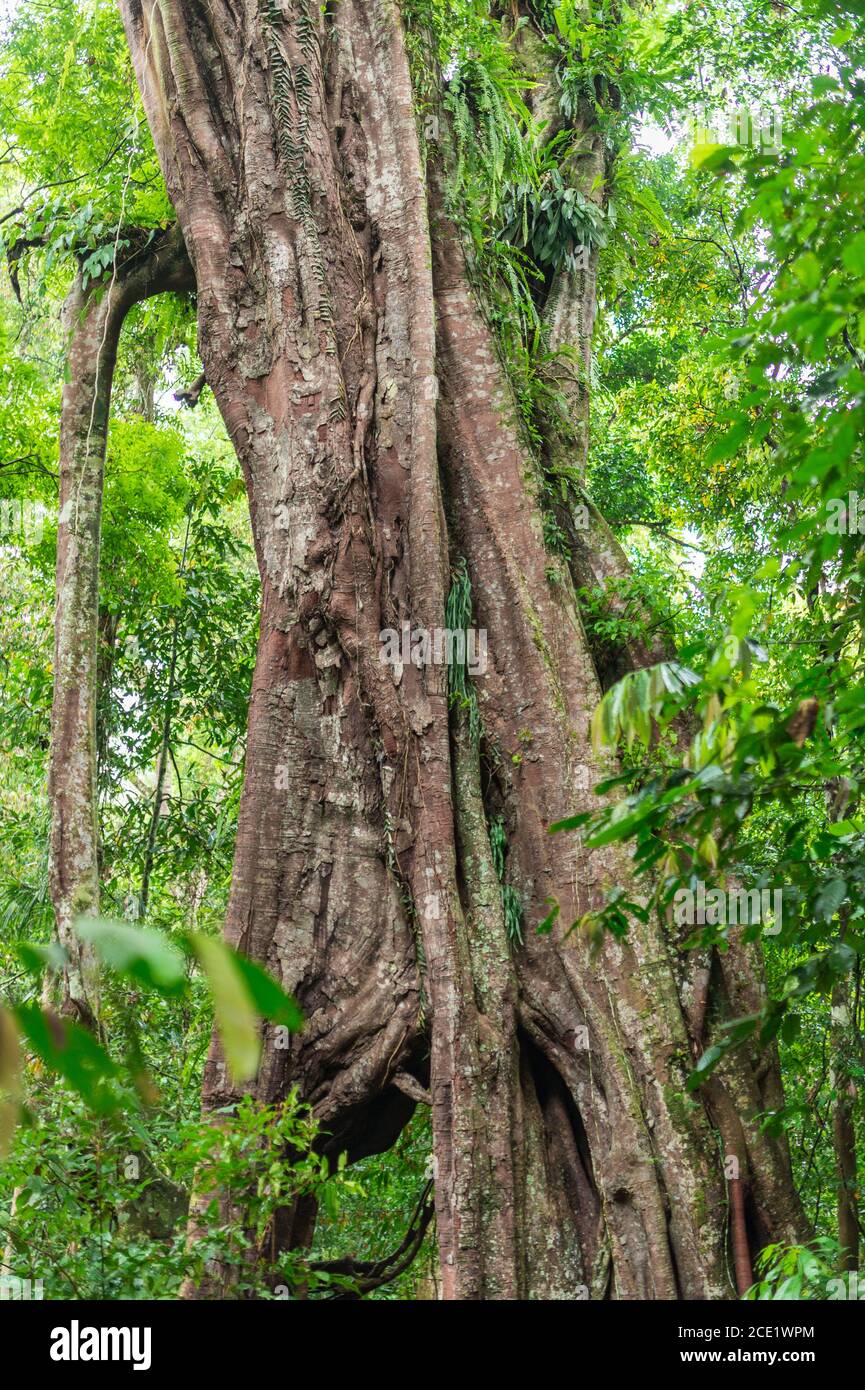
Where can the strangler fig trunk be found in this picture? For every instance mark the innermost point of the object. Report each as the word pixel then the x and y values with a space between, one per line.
pixel 361 388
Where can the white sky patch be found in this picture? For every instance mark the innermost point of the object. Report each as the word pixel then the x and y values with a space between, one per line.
pixel 655 139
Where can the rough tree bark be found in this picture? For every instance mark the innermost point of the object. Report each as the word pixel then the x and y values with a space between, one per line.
pixel 94 320
pixel 362 391
pixel 714 987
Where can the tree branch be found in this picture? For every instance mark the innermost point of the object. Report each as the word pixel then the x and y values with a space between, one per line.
pixel 373 1274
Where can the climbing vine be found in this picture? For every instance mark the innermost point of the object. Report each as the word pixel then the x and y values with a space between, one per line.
pixel 292 95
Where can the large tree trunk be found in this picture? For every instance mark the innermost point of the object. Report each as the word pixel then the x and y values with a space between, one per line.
pixel 713 987
pixel 94 319
pixel 362 391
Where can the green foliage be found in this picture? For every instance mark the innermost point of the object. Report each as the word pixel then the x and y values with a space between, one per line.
pixel 458 618
pixel 512 909
pixel 84 162
pixel 372 1213
pixel 101 1205
pixel 485 99
pixel 803 1273
pixel 726 448
pixel 550 219
pixel 240 1158
pixel 241 994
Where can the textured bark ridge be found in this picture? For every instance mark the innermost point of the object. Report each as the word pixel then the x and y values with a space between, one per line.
pixel 94 320
pixel 363 394
pixel 713 988
pixel 569 308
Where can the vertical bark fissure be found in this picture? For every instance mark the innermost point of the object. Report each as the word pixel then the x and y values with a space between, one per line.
pixel 542 684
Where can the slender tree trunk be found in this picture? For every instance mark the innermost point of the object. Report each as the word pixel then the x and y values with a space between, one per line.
pixel 844 1136
pixel 164 744
pixel 94 319
pixel 362 390
pixel 844 1044
pixel 844 1032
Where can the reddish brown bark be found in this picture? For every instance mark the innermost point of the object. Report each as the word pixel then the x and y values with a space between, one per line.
pixel 843 1127
pixel 719 987
pixel 741 1249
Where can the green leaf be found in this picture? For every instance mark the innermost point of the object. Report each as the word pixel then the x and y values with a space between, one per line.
pixel 830 898
pixel 706 1065
pixel 619 825
pixel 808 270
pixel 233 1007
pixel 769 569
pixel 546 926
pixel 269 998
pixel 569 823
pixel 37 958
pixel 853 254
pixel 714 158
pixel 142 955
pixel 730 443
pixel 842 828
pixel 73 1052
